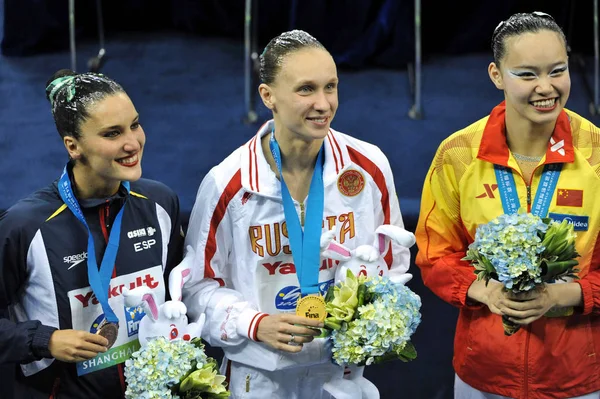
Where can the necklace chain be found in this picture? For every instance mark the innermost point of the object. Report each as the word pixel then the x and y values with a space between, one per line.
pixel 526 158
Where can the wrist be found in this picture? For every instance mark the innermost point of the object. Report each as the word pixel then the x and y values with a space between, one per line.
pixel 479 291
pixel 565 295
pixel 248 322
pixel 40 344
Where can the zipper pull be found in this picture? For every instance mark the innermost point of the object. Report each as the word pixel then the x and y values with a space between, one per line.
pixel 248 383
pixel 528 195
pixel 302 213
pixel 106 214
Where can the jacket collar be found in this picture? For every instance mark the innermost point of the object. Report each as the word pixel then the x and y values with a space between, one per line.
pixel 493 147
pixel 258 177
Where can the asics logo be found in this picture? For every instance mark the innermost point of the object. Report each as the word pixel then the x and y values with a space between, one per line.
pixel 74 260
pixel 143 232
pixel 489 191
pixel 557 147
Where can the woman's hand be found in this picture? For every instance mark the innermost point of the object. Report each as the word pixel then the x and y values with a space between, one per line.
pixel 288 332
pixel 75 345
pixel 526 307
pixel 522 308
pixel 490 294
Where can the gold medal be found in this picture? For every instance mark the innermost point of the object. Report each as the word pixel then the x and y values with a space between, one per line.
pixel 311 307
pixel 108 330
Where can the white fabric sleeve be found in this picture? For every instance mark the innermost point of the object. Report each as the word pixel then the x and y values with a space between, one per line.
pixel 230 320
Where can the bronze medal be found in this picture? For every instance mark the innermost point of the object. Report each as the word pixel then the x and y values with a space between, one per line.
pixel 110 331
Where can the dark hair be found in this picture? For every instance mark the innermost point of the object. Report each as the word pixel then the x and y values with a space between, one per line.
pixel 71 94
pixel 521 23
pixel 280 46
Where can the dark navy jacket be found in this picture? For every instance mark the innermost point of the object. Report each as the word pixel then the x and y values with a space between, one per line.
pixel 43 261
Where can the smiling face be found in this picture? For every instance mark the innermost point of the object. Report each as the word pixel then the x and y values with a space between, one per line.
pixel 109 149
pixel 303 96
pixel 534 76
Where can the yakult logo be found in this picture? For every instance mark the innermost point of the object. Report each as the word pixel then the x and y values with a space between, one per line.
pixel 116 290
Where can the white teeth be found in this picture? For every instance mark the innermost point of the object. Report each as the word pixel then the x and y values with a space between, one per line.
pixel 319 120
pixel 544 103
pixel 128 161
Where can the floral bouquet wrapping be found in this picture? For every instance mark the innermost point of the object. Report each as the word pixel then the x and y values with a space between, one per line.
pixel 523 251
pixel 371 320
pixel 177 369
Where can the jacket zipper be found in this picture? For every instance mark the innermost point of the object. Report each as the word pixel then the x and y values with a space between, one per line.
pixel 104 218
pixel 526 365
pixel 55 386
pixel 526 354
pixel 528 187
pixel 302 214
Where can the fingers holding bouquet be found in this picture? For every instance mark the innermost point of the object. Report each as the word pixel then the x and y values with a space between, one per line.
pixel 287 332
pixel 527 254
pixel 526 307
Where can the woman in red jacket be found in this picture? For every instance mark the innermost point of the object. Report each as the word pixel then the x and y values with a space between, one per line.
pixel 549 357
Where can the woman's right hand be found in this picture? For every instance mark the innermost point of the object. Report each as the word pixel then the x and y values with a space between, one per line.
pixel 288 332
pixel 76 345
pixel 491 294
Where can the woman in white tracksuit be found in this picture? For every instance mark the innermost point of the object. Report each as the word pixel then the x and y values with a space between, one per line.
pixel 247 221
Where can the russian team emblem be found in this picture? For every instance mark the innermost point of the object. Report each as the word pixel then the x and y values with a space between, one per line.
pixel 351 183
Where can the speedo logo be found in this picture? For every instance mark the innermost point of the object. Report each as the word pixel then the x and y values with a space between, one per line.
pixel 74 260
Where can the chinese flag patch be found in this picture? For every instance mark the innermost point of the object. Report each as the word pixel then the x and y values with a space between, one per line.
pixel 569 197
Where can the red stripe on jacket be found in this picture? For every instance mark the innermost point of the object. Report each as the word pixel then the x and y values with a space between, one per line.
pixel 379 179
pixel 234 185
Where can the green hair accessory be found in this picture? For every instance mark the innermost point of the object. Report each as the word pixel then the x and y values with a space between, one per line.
pixel 58 84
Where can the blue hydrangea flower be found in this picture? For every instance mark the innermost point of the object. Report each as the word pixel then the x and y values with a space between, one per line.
pixel 512 243
pixel 384 325
pixel 161 364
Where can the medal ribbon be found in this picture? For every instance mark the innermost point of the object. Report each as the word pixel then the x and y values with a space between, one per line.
pixel 306 247
pixel 99 278
pixel 543 196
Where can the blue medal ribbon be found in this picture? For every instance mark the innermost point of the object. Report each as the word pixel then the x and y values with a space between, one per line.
pixel 99 278
pixel 306 247
pixel 543 197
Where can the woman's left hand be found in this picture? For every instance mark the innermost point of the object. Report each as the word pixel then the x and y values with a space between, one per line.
pixel 525 308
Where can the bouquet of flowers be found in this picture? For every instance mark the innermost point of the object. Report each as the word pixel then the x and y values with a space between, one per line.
pixel 523 251
pixel 177 369
pixel 371 320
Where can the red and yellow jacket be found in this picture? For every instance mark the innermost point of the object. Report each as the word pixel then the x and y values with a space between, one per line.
pixel 552 357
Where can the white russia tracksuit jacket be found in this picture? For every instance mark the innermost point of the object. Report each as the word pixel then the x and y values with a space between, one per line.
pixel 244 269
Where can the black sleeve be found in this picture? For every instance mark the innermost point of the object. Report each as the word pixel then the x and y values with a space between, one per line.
pixel 26 341
pixel 176 240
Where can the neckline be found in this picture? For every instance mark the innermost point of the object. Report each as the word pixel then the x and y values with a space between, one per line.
pixel 526 158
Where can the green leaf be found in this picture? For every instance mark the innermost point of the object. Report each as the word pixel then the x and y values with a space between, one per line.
pixel 329 295
pixel 332 324
pixel 553 270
